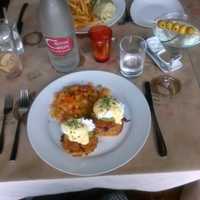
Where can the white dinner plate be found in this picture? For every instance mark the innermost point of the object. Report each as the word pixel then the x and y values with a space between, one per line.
pixel 111 152
pixel 120 9
pixel 144 12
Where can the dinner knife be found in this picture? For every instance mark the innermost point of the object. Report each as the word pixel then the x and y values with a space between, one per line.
pixel 160 143
pixel 19 21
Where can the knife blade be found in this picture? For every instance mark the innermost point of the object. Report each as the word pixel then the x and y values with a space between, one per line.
pixel 19 21
pixel 160 143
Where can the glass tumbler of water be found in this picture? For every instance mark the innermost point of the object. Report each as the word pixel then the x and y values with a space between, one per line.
pixel 132 56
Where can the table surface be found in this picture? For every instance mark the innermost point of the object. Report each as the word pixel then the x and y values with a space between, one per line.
pixel 178 117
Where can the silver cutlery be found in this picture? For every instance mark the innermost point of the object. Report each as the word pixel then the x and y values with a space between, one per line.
pixel 20 18
pixel 8 106
pixel 161 146
pixel 22 108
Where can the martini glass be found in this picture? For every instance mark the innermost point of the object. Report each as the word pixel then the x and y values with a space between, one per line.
pixel 175 30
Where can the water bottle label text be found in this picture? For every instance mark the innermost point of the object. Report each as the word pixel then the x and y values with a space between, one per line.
pixel 59 46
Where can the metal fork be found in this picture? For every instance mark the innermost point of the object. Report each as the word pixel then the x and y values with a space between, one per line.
pixel 8 106
pixel 21 110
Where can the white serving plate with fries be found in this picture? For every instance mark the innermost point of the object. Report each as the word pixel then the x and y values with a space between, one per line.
pixel 120 9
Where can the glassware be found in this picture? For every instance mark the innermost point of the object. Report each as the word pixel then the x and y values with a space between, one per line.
pixel 165 86
pixel 6 43
pixel 59 34
pixel 101 37
pixel 132 55
pixel 10 48
pixel 175 30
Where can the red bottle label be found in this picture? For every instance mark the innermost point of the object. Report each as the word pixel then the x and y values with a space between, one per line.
pixel 59 46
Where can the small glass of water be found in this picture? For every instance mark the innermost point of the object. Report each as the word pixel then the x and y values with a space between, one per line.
pixel 132 56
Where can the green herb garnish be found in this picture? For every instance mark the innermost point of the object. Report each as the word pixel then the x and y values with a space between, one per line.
pixel 74 123
pixel 107 102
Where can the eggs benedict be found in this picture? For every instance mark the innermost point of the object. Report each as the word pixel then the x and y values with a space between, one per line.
pixel 78 136
pixel 108 116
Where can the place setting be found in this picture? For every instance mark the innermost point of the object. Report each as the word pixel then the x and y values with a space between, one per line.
pixel 132 53
pixel 104 146
pixel 88 161
pixel 112 95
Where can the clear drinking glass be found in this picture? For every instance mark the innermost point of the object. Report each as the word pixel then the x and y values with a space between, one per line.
pixel 6 43
pixel 10 62
pixel 132 55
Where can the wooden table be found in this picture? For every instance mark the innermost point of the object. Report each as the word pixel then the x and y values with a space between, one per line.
pixel 178 119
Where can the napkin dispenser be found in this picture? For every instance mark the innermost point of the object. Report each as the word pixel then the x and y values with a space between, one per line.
pixel 167 60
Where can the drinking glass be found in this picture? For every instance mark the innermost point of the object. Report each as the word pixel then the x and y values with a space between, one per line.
pixel 177 30
pixel 101 37
pixel 10 48
pixel 132 55
pixel 6 43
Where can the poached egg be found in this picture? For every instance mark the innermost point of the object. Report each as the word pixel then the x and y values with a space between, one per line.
pixel 78 130
pixel 109 108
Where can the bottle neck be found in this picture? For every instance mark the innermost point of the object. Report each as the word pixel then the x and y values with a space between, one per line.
pixel 55 18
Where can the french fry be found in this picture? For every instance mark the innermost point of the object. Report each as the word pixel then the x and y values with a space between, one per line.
pixel 82 13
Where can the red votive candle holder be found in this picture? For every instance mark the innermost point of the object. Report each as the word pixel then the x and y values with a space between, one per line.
pixel 101 37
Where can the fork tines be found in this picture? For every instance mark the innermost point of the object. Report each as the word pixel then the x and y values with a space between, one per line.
pixel 24 98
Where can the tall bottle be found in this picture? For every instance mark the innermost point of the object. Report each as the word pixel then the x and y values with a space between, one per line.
pixel 58 31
